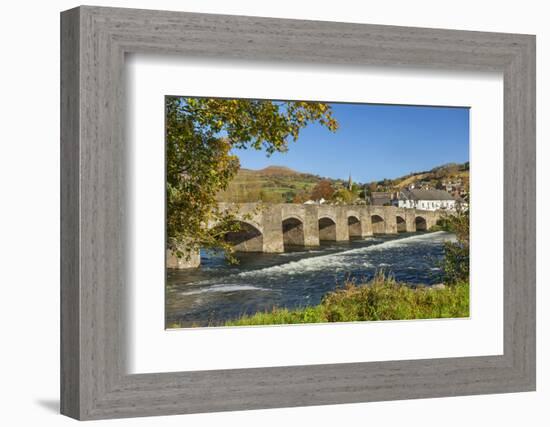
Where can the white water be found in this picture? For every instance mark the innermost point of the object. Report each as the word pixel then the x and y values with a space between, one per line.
pixel 218 291
pixel 223 288
pixel 341 260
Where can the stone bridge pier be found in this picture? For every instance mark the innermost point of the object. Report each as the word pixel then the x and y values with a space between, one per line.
pixel 299 224
pixel 271 228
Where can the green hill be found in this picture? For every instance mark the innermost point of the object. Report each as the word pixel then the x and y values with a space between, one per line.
pixel 280 184
pixel 273 184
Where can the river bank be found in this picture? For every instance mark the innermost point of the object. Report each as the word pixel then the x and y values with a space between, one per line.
pixel 381 299
pixel 218 293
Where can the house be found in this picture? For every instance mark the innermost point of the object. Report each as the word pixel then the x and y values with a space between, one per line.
pixel 455 188
pixel 429 200
pixel 379 198
pixel 420 185
pixel 315 202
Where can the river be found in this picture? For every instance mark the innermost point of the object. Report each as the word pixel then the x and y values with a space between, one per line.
pixel 216 292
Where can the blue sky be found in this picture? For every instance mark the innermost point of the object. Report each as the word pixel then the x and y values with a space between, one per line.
pixel 374 142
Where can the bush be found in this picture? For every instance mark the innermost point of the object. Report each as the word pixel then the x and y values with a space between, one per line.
pixel 456 262
pixel 385 299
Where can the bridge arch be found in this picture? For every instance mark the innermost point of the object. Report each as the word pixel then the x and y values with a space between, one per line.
pixel 354 226
pixel 378 224
pixel 401 224
pixel 420 223
pixel 294 216
pixel 327 228
pixel 293 232
pixel 246 237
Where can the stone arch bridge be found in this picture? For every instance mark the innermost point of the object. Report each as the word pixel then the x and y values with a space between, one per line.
pixel 272 227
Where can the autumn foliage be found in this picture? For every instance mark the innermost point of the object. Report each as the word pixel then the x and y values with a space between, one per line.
pixel 323 190
pixel 200 136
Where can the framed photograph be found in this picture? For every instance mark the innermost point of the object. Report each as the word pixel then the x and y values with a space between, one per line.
pixel 261 213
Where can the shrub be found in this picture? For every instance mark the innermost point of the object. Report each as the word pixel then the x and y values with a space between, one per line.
pixel 456 262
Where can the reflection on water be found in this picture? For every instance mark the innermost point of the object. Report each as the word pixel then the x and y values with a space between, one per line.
pixel 216 291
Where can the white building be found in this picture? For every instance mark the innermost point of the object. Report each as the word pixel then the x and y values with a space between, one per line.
pixel 428 200
pixel 322 201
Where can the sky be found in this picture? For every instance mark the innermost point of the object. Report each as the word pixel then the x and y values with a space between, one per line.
pixel 374 142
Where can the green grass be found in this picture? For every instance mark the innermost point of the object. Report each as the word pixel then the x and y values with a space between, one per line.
pixel 381 299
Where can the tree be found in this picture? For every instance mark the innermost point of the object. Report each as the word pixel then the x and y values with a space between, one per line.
pixel 323 190
pixel 343 195
pixel 356 188
pixel 200 136
pixel 456 262
pixel 289 196
pixel 300 197
pixel 373 187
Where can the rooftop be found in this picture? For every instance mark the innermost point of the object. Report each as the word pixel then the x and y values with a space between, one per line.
pixel 380 195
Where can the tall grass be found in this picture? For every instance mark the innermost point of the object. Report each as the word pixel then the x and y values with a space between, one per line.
pixel 380 299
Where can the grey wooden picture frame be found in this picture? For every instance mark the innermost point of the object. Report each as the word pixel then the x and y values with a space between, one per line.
pixel 94 381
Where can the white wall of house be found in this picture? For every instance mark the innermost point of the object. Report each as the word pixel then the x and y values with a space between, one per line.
pixel 428 205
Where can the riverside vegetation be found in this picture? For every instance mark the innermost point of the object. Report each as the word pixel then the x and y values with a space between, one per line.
pixel 381 299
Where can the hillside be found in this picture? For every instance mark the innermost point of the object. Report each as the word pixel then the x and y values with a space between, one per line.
pixel 272 171
pixel 280 184
pixel 274 184
pixel 405 182
pixel 435 177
